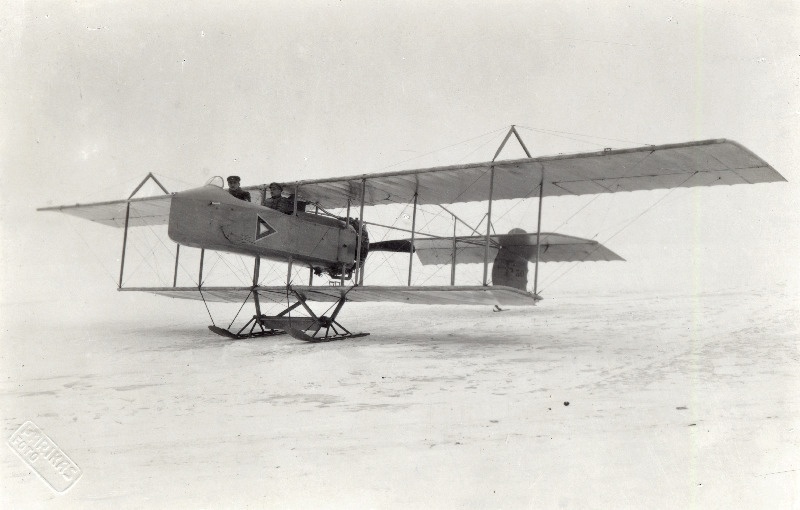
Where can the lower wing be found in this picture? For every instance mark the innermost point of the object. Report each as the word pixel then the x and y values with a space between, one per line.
pixel 429 295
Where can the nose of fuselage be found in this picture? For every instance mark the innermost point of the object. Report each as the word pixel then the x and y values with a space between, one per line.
pixel 211 218
pixel 195 213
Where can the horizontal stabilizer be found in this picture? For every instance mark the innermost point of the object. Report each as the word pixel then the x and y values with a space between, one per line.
pixel 471 249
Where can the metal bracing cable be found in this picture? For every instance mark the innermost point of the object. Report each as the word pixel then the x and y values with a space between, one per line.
pixel 436 215
pixel 481 146
pixel 91 250
pixel 435 151
pixel 560 134
pixel 207 309
pixel 387 262
pixel 95 192
pixel 143 260
pixel 158 238
pixel 244 269
pixel 576 213
pixel 570 268
pixel 240 309
pixel 617 184
pixel 225 262
pixel 150 227
pixel 162 176
pixel 442 148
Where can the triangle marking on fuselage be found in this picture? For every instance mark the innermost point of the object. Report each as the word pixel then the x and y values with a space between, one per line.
pixel 263 229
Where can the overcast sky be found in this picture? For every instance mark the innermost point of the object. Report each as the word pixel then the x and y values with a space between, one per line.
pixel 93 95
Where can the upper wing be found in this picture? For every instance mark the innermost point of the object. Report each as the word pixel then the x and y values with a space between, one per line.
pixel 705 163
pixel 143 211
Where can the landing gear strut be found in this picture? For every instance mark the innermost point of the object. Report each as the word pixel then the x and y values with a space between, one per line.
pixel 312 328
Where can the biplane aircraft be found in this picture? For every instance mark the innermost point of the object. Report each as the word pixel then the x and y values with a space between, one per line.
pixel 335 248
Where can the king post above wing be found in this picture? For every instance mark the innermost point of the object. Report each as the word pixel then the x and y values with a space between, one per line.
pixel 703 163
pixel 133 212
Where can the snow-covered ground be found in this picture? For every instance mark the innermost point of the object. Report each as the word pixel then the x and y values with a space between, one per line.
pixel 617 401
pixel 677 398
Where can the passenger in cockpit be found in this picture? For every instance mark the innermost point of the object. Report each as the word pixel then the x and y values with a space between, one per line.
pixel 277 201
pixel 235 190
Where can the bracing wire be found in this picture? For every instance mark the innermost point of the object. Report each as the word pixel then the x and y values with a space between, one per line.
pixel 269 274
pixel 554 132
pixel 576 213
pixel 225 262
pixel 509 210
pixel 246 299
pixel 169 251
pixel 615 234
pixel 152 248
pixel 443 148
pixel 595 197
pixel 481 146
pixel 96 192
pixel 143 260
pixel 207 309
pixel 91 250
pixel 166 177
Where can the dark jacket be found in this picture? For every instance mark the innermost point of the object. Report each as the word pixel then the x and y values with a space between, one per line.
pixel 240 194
pixel 284 204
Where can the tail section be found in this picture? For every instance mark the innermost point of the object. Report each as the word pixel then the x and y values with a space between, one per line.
pixel 509 253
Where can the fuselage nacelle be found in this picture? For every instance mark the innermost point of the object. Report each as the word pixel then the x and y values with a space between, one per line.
pixel 211 218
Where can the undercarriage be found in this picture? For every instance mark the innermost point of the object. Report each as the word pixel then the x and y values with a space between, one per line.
pixel 309 328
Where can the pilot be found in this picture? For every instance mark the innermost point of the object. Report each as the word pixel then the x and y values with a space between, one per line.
pixel 277 201
pixel 235 190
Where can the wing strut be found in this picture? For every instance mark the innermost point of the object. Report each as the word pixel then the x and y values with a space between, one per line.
pixel 488 227
pixel 453 257
pixel 538 234
pixel 347 215
pixel 413 236
pixel 256 275
pixel 512 131
pixel 127 218
pixel 124 244
pixel 175 274
pixel 359 276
